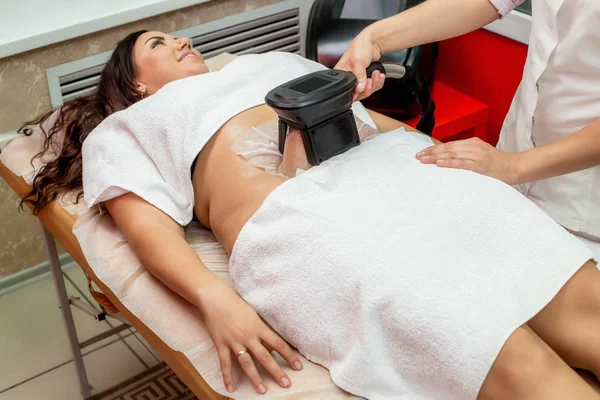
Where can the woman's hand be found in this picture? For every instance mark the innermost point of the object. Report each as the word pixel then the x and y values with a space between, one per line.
pixel 360 54
pixel 476 155
pixel 240 335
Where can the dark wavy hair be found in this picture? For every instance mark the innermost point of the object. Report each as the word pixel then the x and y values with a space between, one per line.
pixel 116 91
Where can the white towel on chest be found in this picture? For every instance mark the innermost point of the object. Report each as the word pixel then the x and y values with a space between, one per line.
pixel 149 148
pixel 404 279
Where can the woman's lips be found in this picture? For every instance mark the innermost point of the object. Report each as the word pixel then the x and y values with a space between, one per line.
pixel 187 55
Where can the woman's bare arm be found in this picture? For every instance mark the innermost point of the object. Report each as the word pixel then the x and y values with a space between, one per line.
pixel 576 152
pixel 159 243
pixel 431 21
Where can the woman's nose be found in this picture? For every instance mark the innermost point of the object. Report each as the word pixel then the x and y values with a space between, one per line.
pixel 182 43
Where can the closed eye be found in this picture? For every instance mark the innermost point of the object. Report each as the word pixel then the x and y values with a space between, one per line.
pixel 156 43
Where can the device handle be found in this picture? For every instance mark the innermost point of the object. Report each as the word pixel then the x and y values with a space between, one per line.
pixel 376 66
pixel 417 83
pixel 283 129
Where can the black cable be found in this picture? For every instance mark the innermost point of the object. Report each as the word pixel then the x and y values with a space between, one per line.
pixel 413 79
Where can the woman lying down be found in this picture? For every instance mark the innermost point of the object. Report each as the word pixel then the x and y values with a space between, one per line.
pixel 405 280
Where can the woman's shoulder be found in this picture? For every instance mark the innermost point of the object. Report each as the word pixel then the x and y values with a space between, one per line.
pixel 109 136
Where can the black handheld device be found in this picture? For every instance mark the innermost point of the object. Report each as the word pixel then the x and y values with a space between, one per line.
pixel 319 106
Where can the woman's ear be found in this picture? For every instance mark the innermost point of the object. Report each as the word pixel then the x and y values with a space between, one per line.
pixel 142 90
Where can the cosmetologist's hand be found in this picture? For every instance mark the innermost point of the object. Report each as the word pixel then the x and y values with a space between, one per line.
pixel 473 154
pixel 360 54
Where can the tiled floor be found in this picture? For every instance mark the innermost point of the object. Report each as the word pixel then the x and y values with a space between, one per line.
pixel 35 358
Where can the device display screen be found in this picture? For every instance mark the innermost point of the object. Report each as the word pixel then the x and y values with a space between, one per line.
pixel 310 85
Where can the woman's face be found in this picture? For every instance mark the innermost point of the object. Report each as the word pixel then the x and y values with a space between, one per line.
pixel 160 58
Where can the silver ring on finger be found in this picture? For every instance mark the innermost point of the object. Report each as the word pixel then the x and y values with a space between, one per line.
pixel 240 353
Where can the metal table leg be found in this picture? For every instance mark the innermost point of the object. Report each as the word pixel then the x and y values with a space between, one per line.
pixel 65 308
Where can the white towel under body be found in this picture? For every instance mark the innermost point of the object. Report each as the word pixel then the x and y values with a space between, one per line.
pixel 404 279
pixel 149 148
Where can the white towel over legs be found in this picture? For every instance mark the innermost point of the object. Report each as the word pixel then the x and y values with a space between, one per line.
pixel 404 279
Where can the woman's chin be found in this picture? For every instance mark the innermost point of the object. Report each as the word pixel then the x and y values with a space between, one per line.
pixel 189 68
pixel 197 68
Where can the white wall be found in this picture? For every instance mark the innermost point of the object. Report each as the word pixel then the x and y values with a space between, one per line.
pixel 30 24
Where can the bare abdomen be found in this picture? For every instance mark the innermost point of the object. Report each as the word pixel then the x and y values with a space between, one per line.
pixel 228 190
